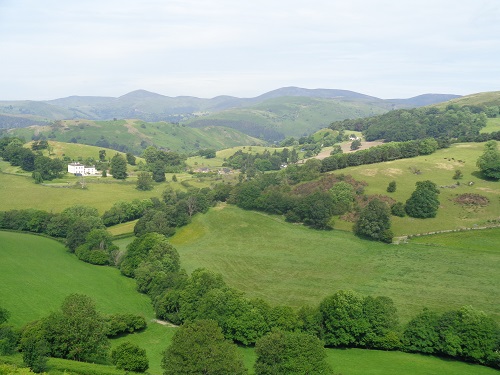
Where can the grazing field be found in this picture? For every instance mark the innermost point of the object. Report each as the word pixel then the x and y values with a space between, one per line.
pixel 374 362
pixel 493 125
pixel 439 168
pixel 50 273
pixel 21 192
pixel 290 264
pixel 37 273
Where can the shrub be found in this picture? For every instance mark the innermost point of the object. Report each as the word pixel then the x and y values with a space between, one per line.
pixel 130 357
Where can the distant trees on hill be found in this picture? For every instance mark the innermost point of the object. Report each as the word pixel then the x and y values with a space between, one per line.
pixel 410 124
pixel 43 167
pixel 489 162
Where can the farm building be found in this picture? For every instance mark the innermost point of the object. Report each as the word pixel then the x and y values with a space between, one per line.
pixel 80 169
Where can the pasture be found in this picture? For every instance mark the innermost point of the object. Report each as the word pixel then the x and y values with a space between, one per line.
pixel 294 265
pixel 439 168
pixel 50 273
pixel 37 273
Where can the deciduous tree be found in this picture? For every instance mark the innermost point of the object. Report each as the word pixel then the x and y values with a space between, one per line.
pixel 118 167
pixel 200 348
pixel 291 353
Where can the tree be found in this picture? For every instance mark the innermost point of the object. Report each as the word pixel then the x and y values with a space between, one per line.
pixel 343 197
pixel 129 357
pixel 423 202
pixel 374 222
pixel 489 162
pixel 118 167
pixel 293 353
pixel 343 318
pixel 144 181
pixel 158 170
pixel 4 315
pixel 34 346
pixel 356 144
pixel 78 331
pixel 130 158
pixel 200 348
pixel 391 188
pixel 102 155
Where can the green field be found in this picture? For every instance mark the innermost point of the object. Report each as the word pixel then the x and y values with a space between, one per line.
pixel 493 125
pixel 439 168
pixel 293 265
pixel 50 273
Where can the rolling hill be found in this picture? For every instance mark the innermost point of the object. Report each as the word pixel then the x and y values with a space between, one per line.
pixel 134 136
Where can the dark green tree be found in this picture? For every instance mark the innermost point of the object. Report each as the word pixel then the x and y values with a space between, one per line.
pixel 356 144
pixel 293 353
pixel 129 357
pixel 343 319
pixel 102 155
pixel 391 188
pixel 4 315
pixel 78 331
pixel 374 222
pixel 34 346
pixel 489 162
pixel 200 348
pixel 423 202
pixel 421 333
pixel 118 167
pixel 158 170
pixel 130 158
pixel 398 209
pixel 8 337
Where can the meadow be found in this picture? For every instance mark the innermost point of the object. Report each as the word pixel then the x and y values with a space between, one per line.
pixel 294 265
pixel 438 168
pixel 50 273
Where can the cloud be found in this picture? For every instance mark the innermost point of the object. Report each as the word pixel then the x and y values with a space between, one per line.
pixel 385 48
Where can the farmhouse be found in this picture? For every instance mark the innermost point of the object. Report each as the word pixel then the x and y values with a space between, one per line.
pixel 80 169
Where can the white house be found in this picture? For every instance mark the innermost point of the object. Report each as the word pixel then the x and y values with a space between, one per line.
pixel 80 169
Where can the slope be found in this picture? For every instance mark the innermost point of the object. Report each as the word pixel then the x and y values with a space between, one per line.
pixel 135 136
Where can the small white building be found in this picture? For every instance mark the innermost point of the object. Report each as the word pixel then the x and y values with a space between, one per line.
pixel 80 169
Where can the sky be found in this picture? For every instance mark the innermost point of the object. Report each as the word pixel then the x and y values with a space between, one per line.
pixel 385 48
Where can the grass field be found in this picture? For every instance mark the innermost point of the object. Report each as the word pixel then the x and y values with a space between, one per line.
pixel 37 273
pixel 294 265
pixel 439 168
pixel 493 125
pixel 50 273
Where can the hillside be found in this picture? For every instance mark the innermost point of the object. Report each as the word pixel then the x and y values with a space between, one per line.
pixel 281 117
pixel 134 136
pixel 487 99
pixel 299 110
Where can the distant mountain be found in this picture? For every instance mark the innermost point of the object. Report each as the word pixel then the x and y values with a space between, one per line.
pixel 316 93
pixel 272 115
pixel 423 100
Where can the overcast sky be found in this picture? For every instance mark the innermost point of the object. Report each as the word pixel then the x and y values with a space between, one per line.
pixel 385 48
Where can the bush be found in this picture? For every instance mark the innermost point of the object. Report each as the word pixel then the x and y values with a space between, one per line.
pixel 391 188
pixel 130 357
pixel 398 209
pixel 124 323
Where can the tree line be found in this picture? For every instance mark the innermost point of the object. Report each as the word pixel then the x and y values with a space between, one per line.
pixel 419 123
pixel 42 167
pixel 77 332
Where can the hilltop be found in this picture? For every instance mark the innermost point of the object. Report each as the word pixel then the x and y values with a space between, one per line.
pixel 287 111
